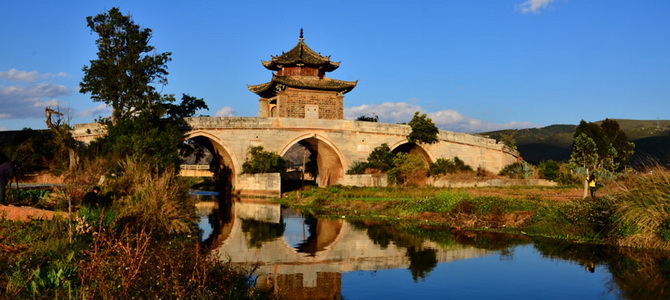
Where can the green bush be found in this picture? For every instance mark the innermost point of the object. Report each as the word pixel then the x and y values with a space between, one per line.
pixel 517 170
pixel 407 169
pixel 549 169
pixel 381 158
pixel 446 166
pixel 261 161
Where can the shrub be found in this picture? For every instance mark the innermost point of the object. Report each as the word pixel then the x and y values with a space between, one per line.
pixel 446 166
pixel 408 169
pixel 261 161
pixel 381 158
pixel 358 167
pixel 517 170
pixel 549 169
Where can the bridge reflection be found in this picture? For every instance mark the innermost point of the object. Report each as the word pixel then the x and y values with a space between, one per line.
pixel 302 257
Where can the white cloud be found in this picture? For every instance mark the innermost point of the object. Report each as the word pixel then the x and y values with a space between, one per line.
pixel 225 112
pixel 17 102
pixel 400 112
pixel 16 75
pixel 388 112
pixel 27 76
pixel 533 6
pixel 95 111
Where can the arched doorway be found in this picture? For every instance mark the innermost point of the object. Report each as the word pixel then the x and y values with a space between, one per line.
pixel 220 159
pixel 413 149
pixel 315 156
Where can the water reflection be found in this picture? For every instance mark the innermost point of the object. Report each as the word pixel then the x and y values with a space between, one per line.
pixel 303 257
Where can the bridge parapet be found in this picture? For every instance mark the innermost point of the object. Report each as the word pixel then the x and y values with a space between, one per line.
pixel 338 144
pixel 204 123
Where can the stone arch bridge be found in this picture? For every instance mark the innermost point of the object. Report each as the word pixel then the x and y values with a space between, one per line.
pixel 338 144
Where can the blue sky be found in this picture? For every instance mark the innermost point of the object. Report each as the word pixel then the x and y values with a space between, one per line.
pixel 471 65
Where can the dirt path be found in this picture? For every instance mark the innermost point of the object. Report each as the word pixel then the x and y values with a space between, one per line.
pixel 27 214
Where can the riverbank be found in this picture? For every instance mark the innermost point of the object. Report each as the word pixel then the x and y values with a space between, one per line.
pixel 27 213
pixel 616 217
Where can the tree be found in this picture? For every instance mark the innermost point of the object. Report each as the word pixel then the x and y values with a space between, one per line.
pixel 619 141
pixel 407 169
pixel 609 143
pixel 381 158
pixel 261 161
pixel 423 130
pixel 126 67
pixel 364 118
pixel 584 154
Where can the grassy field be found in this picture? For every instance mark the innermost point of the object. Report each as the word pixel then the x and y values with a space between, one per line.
pixel 631 212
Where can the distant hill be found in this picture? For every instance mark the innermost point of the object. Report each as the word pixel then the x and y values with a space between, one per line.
pixel 651 138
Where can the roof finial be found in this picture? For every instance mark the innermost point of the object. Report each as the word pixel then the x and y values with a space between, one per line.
pixel 301 38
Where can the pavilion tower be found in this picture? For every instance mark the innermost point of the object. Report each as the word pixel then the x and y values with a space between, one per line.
pixel 300 88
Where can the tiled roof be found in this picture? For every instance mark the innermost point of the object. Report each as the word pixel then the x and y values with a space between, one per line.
pixel 301 54
pixel 267 89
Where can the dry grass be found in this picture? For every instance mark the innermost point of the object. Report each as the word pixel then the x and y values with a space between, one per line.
pixel 157 201
pixel 642 209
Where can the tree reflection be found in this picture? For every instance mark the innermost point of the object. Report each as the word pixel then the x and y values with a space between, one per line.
pixel 421 262
pixel 259 232
pixel 638 274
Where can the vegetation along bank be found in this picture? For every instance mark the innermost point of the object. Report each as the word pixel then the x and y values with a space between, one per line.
pixel 632 210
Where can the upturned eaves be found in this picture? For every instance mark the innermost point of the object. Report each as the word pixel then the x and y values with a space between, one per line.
pixel 301 54
pixel 268 89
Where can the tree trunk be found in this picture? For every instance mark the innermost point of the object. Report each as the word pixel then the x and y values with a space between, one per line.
pixel 586 184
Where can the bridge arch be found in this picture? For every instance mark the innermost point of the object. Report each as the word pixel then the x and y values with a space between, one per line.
pixel 405 146
pixel 329 159
pixel 228 163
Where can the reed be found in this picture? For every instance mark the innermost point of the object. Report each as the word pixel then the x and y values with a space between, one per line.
pixel 642 209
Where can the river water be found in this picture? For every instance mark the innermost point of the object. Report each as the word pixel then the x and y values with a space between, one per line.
pixel 299 256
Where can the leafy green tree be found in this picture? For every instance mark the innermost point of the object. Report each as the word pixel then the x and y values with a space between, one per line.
pixel 424 130
pixel 619 141
pixel 607 141
pixel 261 161
pixel 381 158
pixel 407 169
pixel 126 68
pixel 584 152
pixel 144 124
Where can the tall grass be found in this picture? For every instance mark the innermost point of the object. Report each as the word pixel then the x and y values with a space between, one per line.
pixel 642 209
pixel 157 202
